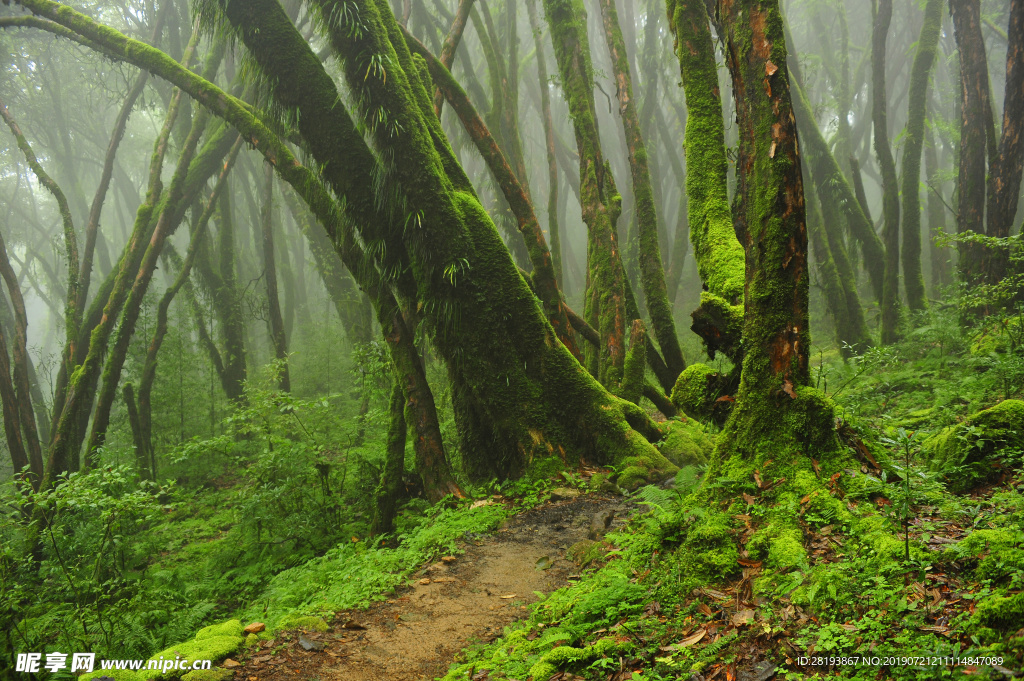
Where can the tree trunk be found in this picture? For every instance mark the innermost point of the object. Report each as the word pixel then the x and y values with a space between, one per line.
pixel 451 43
pixel 975 122
pixel 605 297
pixel 1006 167
pixel 549 141
pixel 277 332
pixel 940 256
pixel 913 279
pixel 652 276
pixel 890 183
pixel 718 253
pixel 776 415
pixel 389 489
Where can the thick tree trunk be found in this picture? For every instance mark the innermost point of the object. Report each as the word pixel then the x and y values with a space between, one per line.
pixel 890 183
pixel 1006 167
pixel 776 415
pixel 652 276
pixel 389 489
pixel 277 332
pixel 975 123
pixel 718 253
pixel 913 279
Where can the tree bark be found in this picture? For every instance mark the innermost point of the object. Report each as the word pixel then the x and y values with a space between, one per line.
pixel 890 183
pixel 1007 165
pixel 389 489
pixel 913 279
pixel 975 122
pixel 776 414
pixel 451 43
pixel 549 140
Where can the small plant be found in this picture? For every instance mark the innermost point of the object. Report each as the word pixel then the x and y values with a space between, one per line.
pixel 904 442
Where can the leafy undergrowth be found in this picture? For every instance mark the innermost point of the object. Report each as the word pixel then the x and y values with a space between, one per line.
pixel 911 567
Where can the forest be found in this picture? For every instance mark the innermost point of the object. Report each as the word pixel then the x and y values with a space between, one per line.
pixel 535 340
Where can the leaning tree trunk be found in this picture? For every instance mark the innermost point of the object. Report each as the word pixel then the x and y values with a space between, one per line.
pixel 913 279
pixel 940 255
pixel 532 399
pixel 890 183
pixel 652 274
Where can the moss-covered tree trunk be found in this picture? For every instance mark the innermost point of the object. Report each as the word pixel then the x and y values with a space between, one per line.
pixel 451 43
pixel 652 274
pixel 549 139
pixel 927 42
pixel 277 331
pixel 718 253
pixel 389 489
pixel 890 182
pixel 605 307
pixel 776 414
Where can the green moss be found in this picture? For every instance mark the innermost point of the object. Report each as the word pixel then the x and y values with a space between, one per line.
pixel 585 552
pixel 696 391
pixel 708 554
pixel 1001 613
pixel 686 442
pixel 779 545
pixel 965 452
pixel 295 621
pixel 210 648
pixel 997 337
pixel 562 656
pixel 251 640
pixel 229 628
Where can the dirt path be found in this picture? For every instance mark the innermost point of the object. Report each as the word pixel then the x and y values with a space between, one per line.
pixel 416 634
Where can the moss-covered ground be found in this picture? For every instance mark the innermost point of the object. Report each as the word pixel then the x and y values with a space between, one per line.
pixel 908 563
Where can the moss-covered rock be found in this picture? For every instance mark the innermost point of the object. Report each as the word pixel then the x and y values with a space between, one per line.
pixel 696 393
pixel 212 647
pixel 964 453
pixel 1001 613
pixel 686 442
pixel 295 621
pixel 997 338
pixel 229 628
pixel 115 674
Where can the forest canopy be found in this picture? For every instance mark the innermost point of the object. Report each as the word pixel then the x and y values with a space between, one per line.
pixel 301 295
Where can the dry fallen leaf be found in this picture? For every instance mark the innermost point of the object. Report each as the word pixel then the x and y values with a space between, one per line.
pixel 231 664
pixel 425 581
pixel 742 617
pixel 692 639
pixel 509 596
pixel 447 559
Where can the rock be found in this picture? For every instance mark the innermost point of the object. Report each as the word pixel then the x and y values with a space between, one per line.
pixel 255 628
pixel 968 452
pixel 599 524
pixel 310 645
pixel 561 493
pixel 686 442
pixel 230 664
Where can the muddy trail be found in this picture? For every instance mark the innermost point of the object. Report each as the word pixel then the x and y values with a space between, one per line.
pixel 457 601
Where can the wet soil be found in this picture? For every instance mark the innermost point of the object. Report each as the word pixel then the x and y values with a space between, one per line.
pixel 455 602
